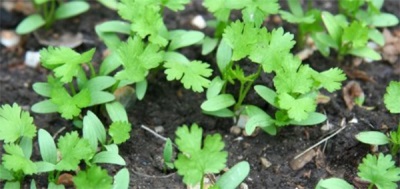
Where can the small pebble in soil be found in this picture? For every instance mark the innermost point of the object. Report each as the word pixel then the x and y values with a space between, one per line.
pixel 236 130
pixel 265 163
pixel 9 38
pixel 159 129
pixel 32 59
pixel 243 186
pixel 199 22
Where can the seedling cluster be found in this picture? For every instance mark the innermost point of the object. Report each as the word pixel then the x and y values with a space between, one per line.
pixel 90 97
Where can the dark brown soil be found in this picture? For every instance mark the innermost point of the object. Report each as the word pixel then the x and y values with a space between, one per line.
pixel 169 105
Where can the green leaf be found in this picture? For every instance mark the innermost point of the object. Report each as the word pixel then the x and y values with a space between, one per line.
pixel 43 166
pixel 38 2
pixel 330 79
pixel 167 153
pixel 208 45
pixel 298 109
pixel 64 61
pixel 257 10
pixel 366 52
pixel 44 107
pixel 333 183
pixel 241 37
pixel 99 83
pixel 111 4
pixel 182 38
pixel 141 88
pixel 55 186
pixel 14 159
pixel 116 111
pixel 267 94
pixel 120 131
pixel 26 145
pixel 114 26
pixel 356 34
pixel 221 9
pixel 192 75
pixel 235 176
pixel 392 97
pixel 380 171
pixel 372 137
pixel 215 87
pixel 195 161
pixel 312 119
pixel 109 157
pixel 15 123
pixel 291 18
pixel 42 88
pixel 100 97
pixel 33 184
pixel 30 24
pixel 332 25
pixel 218 102
pixel 73 149
pixel 121 179
pixel 5 174
pixel 384 20
pixel 224 55
pixel 137 59
pixel 175 5
pixel 12 185
pixel 376 36
pixel 48 149
pixel 220 113
pixel 262 120
pixel 93 130
pixel 94 177
pixel 70 9
pixel 295 7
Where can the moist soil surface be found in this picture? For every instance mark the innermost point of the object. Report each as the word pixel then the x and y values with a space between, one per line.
pixel 169 105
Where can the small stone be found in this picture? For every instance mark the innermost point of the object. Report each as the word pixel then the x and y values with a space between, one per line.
pixel 159 129
pixel 265 163
pixel 199 22
pixel 243 186
pixel 32 59
pixel 9 38
pixel 235 130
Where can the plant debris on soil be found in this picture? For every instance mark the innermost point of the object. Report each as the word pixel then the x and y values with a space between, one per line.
pixel 169 105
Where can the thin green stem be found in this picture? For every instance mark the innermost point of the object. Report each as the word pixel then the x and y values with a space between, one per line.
pixel 72 87
pixel 202 182
pixel 371 185
pixel 245 88
pixel 92 70
pixel 50 19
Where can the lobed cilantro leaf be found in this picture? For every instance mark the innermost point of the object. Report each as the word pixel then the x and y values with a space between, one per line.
pixel 298 109
pixel 15 160
pixel 256 11
pixel 241 37
pixel 392 97
pixel 175 5
pixel 69 106
pixel 15 123
pixel 222 8
pixel 356 34
pixel 73 149
pixel 330 79
pixel 94 177
pixel 195 161
pixel 64 61
pixel 146 19
pixel 137 59
pixel 192 74
pixel 120 131
pixel 380 171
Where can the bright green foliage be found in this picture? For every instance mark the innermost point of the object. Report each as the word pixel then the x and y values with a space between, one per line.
pixel 137 59
pixel 65 62
pixel 257 11
pixel 330 79
pixel 120 131
pixel 175 5
pixel 392 97
pixel 380 171
pixel 298 109
pixel 15 160
pixel 15 123
pixel 73 149
pixel 94 177
pixel 192 74
pixel 222 8
pixel 241 37
pixel 146 19
pixel 356 34
pixel 196 158
pixel 69 106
